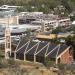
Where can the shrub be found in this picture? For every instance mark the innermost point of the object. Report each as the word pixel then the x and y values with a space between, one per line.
pixel 48 63
pixel 11 62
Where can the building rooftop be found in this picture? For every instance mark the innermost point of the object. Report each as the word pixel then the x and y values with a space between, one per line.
pixel 44 49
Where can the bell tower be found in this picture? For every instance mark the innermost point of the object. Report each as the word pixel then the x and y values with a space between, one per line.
pixel 7 40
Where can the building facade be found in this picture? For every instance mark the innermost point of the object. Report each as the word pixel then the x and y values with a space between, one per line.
pixel 9 20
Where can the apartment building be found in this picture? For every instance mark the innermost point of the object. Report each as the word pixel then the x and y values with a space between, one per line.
pixel 64 22
pixel 52 24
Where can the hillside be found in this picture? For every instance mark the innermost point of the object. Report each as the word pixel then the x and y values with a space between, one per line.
pixel 41 5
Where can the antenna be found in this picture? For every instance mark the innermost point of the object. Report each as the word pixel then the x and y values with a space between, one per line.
pixel 7 39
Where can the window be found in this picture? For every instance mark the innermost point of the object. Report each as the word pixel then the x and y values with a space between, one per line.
pixel 59 60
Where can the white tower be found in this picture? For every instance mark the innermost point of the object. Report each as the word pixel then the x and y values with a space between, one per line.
pixel 7 40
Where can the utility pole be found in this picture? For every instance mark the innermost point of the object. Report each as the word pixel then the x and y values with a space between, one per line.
pixel 7 40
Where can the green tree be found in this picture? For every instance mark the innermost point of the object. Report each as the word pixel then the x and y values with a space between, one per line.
pixel 72 18
pixel 57 30
pixel 66 5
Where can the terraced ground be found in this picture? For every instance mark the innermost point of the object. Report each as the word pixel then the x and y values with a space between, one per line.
pixel 29 68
